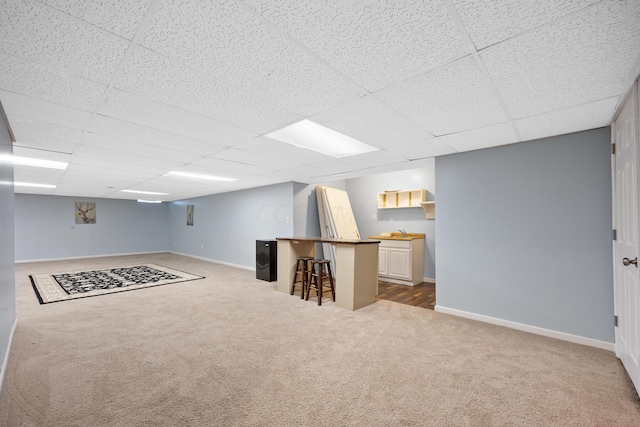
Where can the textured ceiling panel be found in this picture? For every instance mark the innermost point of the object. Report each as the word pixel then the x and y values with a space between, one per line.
pixel 120 17
pixel 17 105
pixel 431 147
pixel 372 159
pixel 154 76
pixel 374 42
pixel 491 21
pixel 31 79
pixel 583 58
pixel 79 170
pixel 25 127
pixel 143 111
pixel 49 37
pixel 145 135
pixel 45 144
pixel 264 145
pixel 574 119
pixel 86 160
pixel 124 146
pixel 229 169
pixel 240 49
pixel 371 121
pixel 125 158
pixel 451 99
pixel 41 154
pixel 333 166
pixel 476 139
pixel 235 155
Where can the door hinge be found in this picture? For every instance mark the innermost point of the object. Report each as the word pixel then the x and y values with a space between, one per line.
pixel 613 148
pixel 615 321
pixel 615 235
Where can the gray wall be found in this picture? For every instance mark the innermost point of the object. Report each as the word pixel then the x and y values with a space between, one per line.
pixel 524 233
pixel 226 226
pixel 7 270
pixel 363 195
pixel 45 228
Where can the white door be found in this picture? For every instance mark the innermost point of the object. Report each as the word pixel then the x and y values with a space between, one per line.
pixel 627 277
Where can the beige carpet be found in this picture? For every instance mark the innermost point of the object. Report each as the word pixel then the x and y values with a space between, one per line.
pixel 230 350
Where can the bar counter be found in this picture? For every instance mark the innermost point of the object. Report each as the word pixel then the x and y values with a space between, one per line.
pixel 356 267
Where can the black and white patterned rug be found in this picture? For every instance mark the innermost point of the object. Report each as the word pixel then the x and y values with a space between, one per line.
pixel 81 284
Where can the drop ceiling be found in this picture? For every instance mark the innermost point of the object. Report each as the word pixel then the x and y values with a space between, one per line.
pixel 128 90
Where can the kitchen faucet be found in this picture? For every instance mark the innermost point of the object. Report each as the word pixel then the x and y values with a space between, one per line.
pixel 404 233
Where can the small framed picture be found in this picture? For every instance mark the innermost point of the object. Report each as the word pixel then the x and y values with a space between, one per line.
pixel 189 214
pixel 85 213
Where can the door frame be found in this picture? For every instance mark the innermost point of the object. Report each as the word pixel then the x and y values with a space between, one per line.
pixel 633 93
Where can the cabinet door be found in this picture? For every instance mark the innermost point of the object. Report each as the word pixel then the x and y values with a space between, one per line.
pixel 400 263
pixel 383 262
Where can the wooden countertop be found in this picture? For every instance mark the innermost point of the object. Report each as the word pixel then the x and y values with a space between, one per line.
pixel 399 236
pixel 329 240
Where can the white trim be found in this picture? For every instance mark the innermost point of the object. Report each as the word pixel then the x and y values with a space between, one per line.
pixel 6 355
pixel 429 280
pixel 528 328
pixel 230 264
pixel 88 256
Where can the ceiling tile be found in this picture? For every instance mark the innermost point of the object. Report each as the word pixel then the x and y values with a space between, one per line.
pixel 153 76
pixel 240 156
pixel 491 21
pixel 132 160
pixel 120 17
pixel 44 111
pixel 371 121
pixel 264 145
pixel 23 128
pixel 87 160
pixel 148 151
pixel 431 147
pixel 373 158
pixel 583 58
pixel 240 49
pixel 589 116
pixel 450 99
pixel 226 168
pixel 143 111
pixel 55 39
pixel 374 42
pixel 31 79
pixel 40 143
pixel 145 135
pixel 476 139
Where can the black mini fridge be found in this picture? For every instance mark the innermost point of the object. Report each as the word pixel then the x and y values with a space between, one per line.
pixel 267 260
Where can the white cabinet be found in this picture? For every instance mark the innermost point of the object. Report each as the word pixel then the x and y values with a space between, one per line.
pixel 401 261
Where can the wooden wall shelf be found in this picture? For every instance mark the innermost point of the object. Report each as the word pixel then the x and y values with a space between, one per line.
pixel 394 199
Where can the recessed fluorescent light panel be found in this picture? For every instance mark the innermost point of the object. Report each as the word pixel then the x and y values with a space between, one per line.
pixel 145 192
pixel 200 176
pixel 30 184
pixel 149 201
pixel 39 163
pixel 312 136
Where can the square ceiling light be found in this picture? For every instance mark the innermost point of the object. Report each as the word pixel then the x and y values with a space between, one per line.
pixel 315 137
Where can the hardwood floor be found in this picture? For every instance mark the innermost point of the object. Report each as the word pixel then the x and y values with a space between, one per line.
pixel 422 295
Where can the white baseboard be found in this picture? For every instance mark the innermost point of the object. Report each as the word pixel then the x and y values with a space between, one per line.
pixel 528 328
pixel 22 261
pixel 428 280
pixel 244 267
pixel 6 355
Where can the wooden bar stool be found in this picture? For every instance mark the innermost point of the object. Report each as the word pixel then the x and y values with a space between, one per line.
pixel 321 270
pixel 302 274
